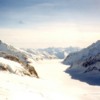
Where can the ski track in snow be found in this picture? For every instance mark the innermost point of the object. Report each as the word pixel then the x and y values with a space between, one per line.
pixel 54 84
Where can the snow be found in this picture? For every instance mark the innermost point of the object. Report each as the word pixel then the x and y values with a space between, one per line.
pixel 54 84
pixel 14 67
pixel 85 64
pixel 51 52
pixel 12 50
pixel 10 65
pixel 84 54
pixel 16 60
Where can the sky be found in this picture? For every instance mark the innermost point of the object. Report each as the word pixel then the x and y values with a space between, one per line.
pixel 49 23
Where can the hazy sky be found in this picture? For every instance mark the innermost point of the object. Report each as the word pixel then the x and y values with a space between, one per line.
pixel 44 23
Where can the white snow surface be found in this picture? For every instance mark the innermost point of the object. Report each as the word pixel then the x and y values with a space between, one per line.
pixel 11 66
pixel 54 84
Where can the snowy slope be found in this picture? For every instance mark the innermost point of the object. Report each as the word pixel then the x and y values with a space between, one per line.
pixel 84 54
pixel 85 62
pixel 12 66
pixel 14 55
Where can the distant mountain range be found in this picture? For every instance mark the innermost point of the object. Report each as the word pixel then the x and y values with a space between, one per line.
pixel 52 52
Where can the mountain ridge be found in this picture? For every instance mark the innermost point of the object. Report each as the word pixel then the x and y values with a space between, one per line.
pixel 85 64
pixel 17 57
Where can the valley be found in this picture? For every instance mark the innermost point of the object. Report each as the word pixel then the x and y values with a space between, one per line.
pixel 53 84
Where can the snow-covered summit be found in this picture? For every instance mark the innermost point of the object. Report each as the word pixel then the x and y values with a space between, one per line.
pixel 85 62
pixel 8 52
pixel 84 54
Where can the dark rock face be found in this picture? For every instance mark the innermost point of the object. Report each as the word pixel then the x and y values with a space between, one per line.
pixel 91 64
pixel 91 60
pixel 0 41
pixel 32 71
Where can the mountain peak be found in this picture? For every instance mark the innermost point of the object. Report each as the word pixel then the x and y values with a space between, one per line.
pixel 97 43
pixel 0 41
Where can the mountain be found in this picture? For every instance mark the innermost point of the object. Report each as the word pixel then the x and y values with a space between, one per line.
pixel 16 60
pixel 39 54
pixel 85 63
pixel 83 54
pixel 51 53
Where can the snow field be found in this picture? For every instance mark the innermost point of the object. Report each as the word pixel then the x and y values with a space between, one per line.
pixel 54 84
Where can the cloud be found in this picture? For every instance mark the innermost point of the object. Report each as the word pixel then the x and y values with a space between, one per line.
pixel 52 34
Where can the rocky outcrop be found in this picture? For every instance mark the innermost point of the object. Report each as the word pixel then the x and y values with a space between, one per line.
pixel 17 57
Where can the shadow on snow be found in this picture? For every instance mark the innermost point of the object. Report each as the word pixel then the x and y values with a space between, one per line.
pixel 83 77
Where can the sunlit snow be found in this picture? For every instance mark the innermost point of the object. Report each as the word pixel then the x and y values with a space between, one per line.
pixel 54 84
